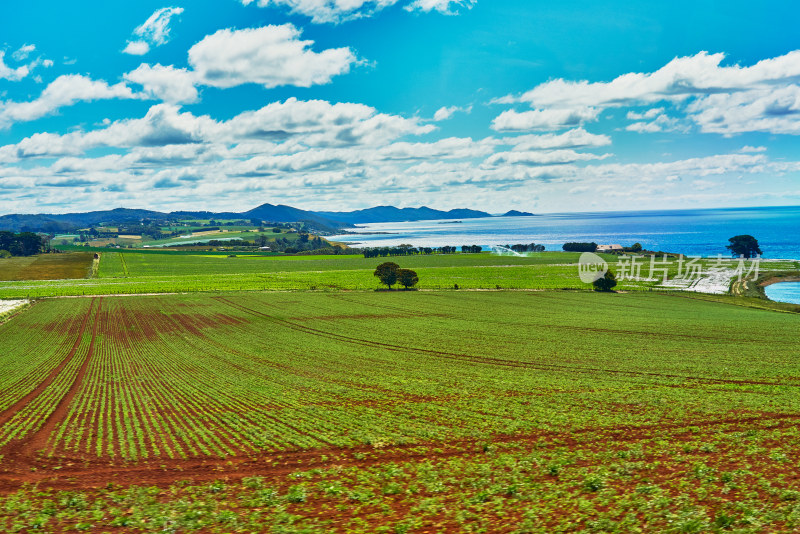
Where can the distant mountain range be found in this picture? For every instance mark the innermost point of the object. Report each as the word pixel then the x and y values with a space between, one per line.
pixel 330 220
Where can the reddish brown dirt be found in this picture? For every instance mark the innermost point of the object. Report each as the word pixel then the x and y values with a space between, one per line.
pixel 83 472
pixel 27 446
pixel 133 325
pixel 7 414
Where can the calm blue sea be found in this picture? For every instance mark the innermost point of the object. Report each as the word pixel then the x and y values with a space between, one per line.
pixel 691 232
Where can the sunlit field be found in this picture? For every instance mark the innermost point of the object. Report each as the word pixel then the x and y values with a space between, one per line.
pixel 405 411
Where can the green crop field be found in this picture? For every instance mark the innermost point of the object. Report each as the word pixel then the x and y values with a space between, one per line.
pixel 226 233
pixel 183 271
pixel 428 411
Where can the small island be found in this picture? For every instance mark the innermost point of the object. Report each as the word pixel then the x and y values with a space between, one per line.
pixel 515 213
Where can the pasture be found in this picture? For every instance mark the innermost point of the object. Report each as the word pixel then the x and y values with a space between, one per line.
pixel 430 411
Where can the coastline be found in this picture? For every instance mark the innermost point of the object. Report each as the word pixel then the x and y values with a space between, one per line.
pixel 693 232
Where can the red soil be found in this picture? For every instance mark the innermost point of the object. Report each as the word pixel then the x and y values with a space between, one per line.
pixel 7 414
pixel 91 472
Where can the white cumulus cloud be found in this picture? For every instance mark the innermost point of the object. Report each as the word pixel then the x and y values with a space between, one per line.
pixel 661 123
pixel 748 148
pixel 270 56
pixel 328 11
pixel 570 139
pixel 444 112
pixel 771 109
pixel 165 83
pixel 717 98
pixel 446 7
pixel 682 77
pixel 543 119
pixel 647 115
pixel 154 31
pixel 22 53
pixel 13 74
pixel 537 157
pixel 136 48
pixel 63 91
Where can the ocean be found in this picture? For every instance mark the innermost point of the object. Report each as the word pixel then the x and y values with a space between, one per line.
pixel 690 232
pixel 784 292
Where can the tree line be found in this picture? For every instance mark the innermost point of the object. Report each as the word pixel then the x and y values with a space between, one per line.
pixel 580 247
pixel 401 250
pixel 22 244
pixel 408 250
pixel 531 247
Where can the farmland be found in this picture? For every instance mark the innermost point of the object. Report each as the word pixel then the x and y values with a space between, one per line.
pixel 47 267
pixel 169 272
pixel 398 412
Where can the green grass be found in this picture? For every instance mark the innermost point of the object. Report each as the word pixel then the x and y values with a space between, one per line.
pixel 493 411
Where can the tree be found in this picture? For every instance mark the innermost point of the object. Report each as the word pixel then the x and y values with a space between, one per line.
pixel 580 247
pixel 606 282
pixel 22 244
pixel 407 278
pixel 637 247
pixel 387 273
pixel 744 245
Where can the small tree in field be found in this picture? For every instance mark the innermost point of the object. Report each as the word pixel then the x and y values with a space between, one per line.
pixel 387 273
pixel 407 278
pixel 606 282
pixel 744 245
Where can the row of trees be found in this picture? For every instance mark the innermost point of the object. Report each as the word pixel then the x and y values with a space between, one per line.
pixel 531 247
pixel 408 250
pixel 22 244
pixel 580 247
pixel 400 250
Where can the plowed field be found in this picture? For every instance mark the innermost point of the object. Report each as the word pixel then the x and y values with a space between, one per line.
pixel 403 412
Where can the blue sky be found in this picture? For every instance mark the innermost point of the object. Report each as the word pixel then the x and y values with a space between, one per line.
pixel 346 104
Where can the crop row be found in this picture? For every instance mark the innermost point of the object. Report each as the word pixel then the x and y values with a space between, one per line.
pixel 198 375
pixel 727 478
pixel 33 399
